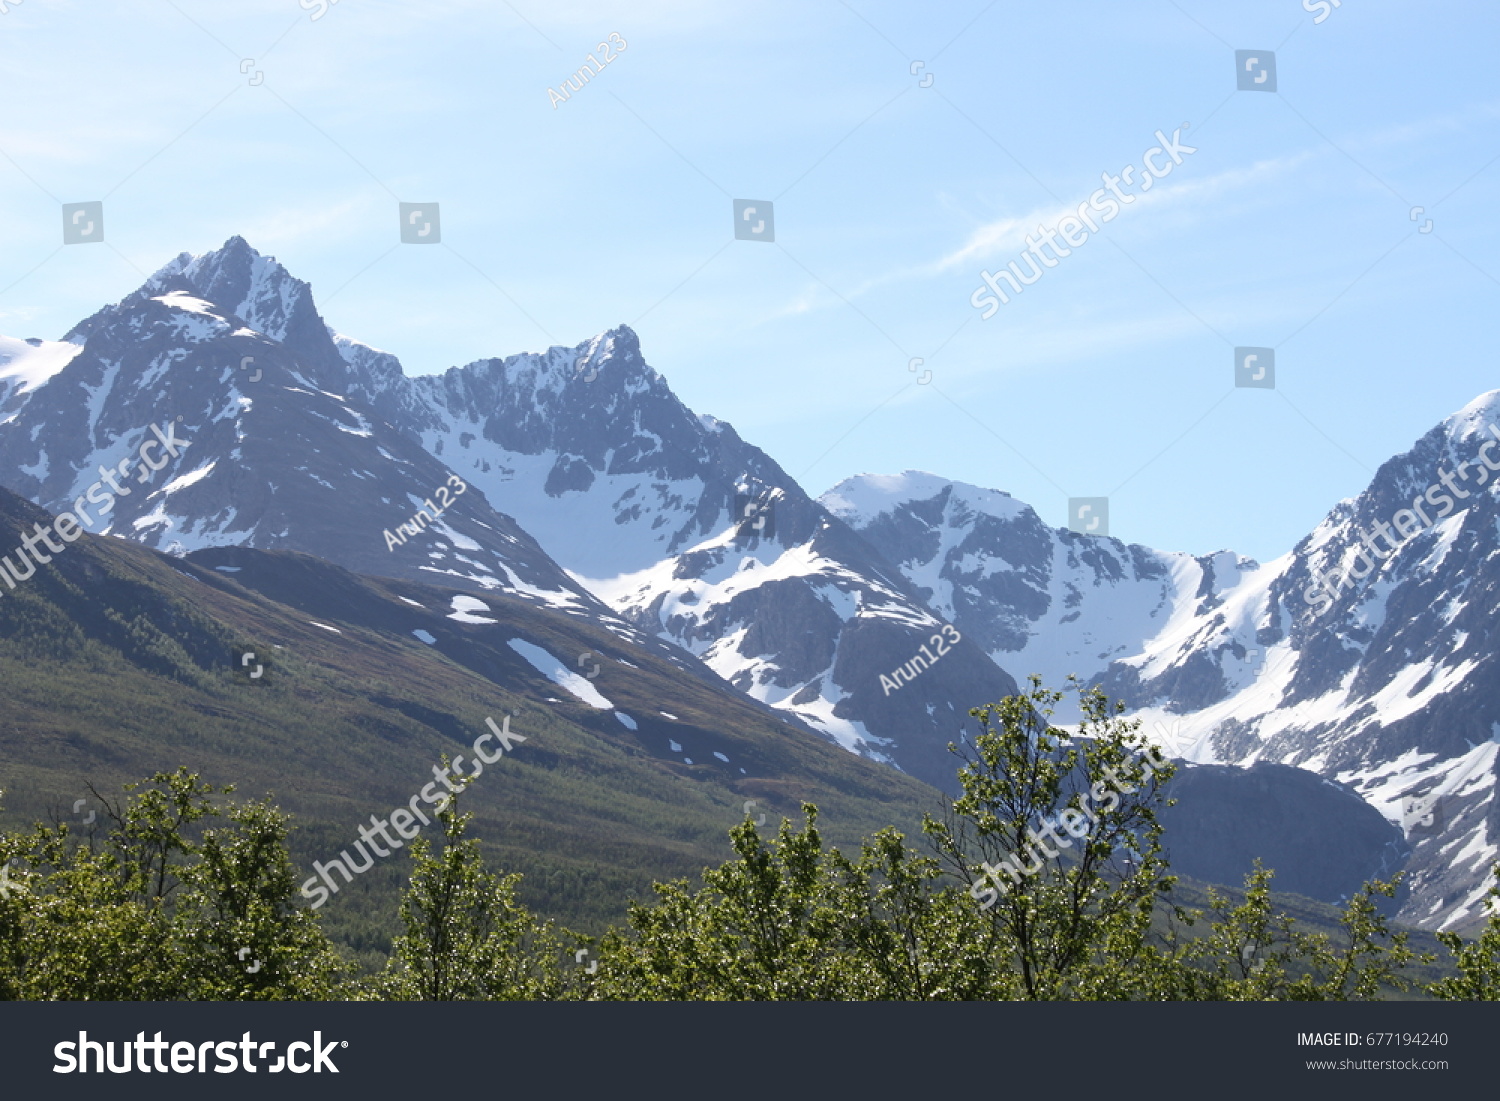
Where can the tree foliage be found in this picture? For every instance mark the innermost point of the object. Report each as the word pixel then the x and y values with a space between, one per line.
pixel 1055 837
pixel 465 935
pixel 161 906
pixel 791 919
pixel 1477 962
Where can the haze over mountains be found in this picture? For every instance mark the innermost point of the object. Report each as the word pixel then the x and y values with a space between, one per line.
pixel 593 493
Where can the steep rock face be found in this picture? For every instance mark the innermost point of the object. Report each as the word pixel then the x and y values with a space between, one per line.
pixel 1038 599
pixel 25 365
pixel 1385 678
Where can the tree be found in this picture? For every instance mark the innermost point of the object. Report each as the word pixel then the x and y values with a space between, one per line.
pixel 791 919
pixel 1048 883
pixel 465 934
pixel 1055 838
pixel 760 928
pixel 159 909
pixel 246 938
pixel 151 834
pixel 1478 962
pixel 917 937
pixel 73 927
pixel 1253 953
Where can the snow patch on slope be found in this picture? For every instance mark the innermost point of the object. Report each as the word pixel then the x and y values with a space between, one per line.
pixel 560 675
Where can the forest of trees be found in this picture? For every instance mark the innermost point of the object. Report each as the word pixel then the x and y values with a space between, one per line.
pixel 1045 879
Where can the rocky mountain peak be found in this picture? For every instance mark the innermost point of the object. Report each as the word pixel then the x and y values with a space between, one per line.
pixel 243 283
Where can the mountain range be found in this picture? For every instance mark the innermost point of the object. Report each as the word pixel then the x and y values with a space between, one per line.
pixel 575 484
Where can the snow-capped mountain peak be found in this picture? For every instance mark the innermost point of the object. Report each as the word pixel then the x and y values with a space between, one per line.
pixel 860 500
pixel 250 286
pixel 285 443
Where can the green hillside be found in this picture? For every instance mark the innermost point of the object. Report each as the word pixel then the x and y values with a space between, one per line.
pixel 116 661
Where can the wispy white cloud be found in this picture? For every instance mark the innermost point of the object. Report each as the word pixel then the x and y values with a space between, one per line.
pixel 1005 236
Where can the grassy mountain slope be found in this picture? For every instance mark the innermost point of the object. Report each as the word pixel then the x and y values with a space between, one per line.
pixel 116 661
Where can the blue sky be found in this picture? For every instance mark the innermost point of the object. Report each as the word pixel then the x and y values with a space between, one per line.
pixel 1291 227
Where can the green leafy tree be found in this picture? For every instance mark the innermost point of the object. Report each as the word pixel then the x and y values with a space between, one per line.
pixel 1371 960
pixel 247 938
pixel 791 919
pixel 465 936
pixel 74 926
pixel 152 832
pixel 1254 953
pixel 762 928
pixel 1055 838
pixel 914 936
pixel 1478 961
pixel 159 908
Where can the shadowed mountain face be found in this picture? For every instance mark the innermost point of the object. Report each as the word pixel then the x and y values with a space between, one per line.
pixel 1321 838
